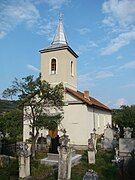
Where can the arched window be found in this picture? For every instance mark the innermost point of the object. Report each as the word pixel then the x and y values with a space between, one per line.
pixel 53 66
pixel 72 69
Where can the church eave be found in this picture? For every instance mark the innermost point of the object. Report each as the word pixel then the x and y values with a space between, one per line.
pixel 92 102
pixel 59 48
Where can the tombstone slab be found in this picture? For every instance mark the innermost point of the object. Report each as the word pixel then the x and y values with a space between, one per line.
pixel 108 138
pixel 126 146
pixel 91 157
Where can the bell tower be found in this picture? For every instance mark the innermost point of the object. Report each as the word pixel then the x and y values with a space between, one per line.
pixel 58 61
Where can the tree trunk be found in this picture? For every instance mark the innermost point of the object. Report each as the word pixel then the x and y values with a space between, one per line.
pixel 33 146
pixel 121 132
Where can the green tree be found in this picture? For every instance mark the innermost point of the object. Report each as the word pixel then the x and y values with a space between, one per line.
pixel 124 117
pixel 11 124
pixel 38 99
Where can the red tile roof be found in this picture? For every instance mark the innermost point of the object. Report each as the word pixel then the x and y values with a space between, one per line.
pixel 89 101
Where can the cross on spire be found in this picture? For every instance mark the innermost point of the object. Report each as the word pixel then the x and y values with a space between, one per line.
pixel 61 16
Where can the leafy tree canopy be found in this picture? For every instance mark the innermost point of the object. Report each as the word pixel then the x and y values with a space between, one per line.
pixel 11 124
pixel 125 116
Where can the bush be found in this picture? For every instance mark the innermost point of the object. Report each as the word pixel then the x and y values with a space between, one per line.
pixel 130 169
pixel 10 170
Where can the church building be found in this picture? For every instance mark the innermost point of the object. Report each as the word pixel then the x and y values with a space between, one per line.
pixel 82 113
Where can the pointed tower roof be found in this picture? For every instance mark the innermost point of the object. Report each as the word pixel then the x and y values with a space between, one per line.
pixel 59 41
pixel 60 37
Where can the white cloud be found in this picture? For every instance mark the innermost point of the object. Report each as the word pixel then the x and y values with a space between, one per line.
pixel 118 42
pixel 2 34
pixel 46 28
pixel 13 13
pixel 85 81
pixel 123 11
pixel 119 21
pixel 132 85
pixel 119 57
pixel 84 77
pixel 54 4
pixel 32 68
pixel 57 4
pixel 83 31
pixel 87 47
pixel 108 21
pixel 104 74
pixel 129 65
pixel 120 102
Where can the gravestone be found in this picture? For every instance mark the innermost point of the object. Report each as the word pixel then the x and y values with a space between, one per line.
pixel 91 150
pixel 108 138
pixel 90 175
pixel 41 142
pixel 4 161
pixel 127 132
pixel 126 144
pixel 24 160
pixel 65 155
pixel 1 137
pixel 94 137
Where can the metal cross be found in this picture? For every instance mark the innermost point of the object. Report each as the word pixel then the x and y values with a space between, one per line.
pixel 61 16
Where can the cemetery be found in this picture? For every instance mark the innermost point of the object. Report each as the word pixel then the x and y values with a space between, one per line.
pixel 107 156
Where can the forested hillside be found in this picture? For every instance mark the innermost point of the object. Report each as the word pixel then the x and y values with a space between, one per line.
pixel 6 105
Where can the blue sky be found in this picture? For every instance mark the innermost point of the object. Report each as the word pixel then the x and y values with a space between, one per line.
pixel 102 32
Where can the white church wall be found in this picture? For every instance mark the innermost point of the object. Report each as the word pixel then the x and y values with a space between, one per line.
pixel 90 125
pixel 101 119
pixel 78 123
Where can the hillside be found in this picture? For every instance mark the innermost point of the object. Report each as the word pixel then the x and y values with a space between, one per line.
pixel 6 105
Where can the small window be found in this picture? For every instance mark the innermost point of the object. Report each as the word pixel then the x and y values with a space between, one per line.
pixel 72 69
pixel 53 66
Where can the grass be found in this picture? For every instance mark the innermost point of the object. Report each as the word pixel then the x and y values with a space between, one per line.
pixel 40 171
pixel 10 170
pixel 103 166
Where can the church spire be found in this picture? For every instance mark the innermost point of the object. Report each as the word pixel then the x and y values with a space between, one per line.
pixel 60 37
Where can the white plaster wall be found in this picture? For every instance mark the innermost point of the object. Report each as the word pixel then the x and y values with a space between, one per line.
pixel 78 122
pixel 101 119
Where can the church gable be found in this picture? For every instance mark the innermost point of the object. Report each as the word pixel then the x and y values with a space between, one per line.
pixel 70 98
